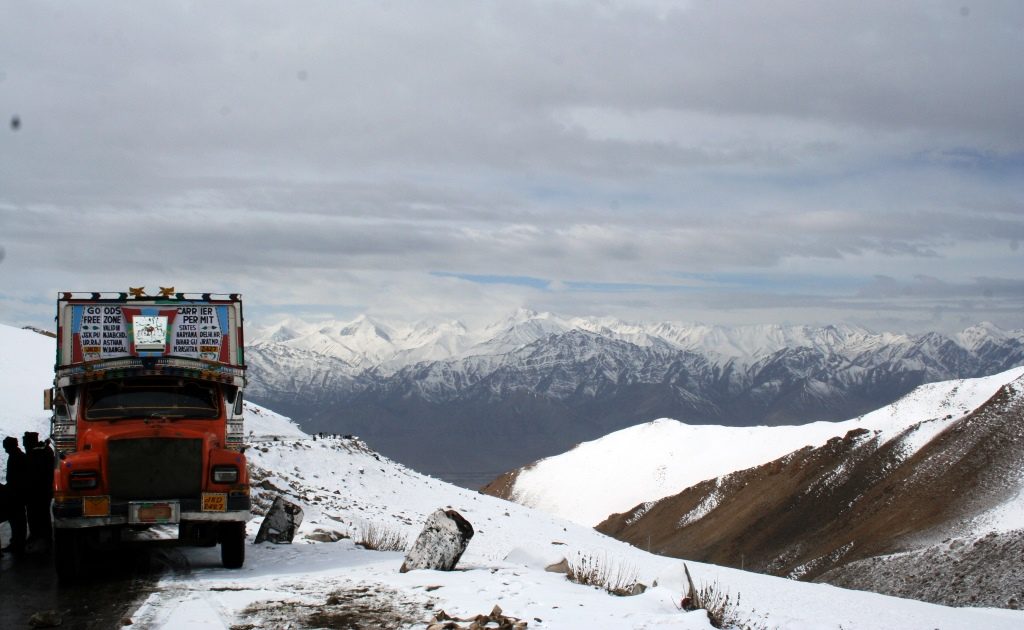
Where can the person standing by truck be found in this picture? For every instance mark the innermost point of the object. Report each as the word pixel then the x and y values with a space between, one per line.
pixel 39 458
pixel 17 477
pixel 3 506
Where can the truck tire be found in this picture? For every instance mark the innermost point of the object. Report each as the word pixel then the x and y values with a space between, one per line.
pixel 67 554
pixel 232 545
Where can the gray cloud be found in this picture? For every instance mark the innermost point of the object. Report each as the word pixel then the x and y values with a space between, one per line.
pixel 337 154
pixel 1009 291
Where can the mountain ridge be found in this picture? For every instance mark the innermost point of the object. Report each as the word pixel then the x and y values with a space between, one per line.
pixel 640 464
pixel 921 498
pixel 366 342
pixel 863 506
pixel 545 383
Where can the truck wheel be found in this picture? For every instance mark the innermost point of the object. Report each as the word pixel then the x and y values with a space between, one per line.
pixel 232 545
pixel 67 554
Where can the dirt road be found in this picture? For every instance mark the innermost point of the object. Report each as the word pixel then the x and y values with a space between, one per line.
pixel 115 586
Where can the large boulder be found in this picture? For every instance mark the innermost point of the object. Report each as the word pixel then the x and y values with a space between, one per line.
pixel 283 518
pixel 439 546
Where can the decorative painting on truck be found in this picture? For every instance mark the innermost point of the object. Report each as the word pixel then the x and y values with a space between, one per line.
pixel 189 330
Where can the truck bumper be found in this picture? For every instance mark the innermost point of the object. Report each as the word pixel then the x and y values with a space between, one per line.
pixel 68 514
pixel 192 517
pixel 81 522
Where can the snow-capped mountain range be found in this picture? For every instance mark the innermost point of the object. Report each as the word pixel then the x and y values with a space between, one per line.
pixel 544 382
pixel 366 343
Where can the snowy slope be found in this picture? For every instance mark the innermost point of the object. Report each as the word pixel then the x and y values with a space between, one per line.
pixel 344 486
pixel 930 509
pixel 263 424
pixel 26 369
pixel 658 459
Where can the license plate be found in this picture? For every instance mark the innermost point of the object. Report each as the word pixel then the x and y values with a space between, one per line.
pixel 151 512
pixel 96 506
pixel 215 502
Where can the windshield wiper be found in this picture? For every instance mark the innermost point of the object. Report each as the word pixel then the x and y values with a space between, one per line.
pixel 164 416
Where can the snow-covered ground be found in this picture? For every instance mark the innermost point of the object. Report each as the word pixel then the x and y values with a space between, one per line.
pixel 650 461
pixel 344 487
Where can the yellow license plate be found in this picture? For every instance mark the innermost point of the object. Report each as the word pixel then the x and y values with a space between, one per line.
pixel 215 502
pixel 96 506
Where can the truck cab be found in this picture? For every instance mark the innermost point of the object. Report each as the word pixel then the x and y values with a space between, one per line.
pixel 147 422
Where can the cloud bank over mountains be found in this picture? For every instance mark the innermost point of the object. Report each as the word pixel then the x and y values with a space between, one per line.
pixel 687 161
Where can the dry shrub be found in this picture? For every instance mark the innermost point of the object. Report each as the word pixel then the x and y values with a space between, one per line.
pixel 381 538
pixel 722 610
pixel 719 605
pixel 614 577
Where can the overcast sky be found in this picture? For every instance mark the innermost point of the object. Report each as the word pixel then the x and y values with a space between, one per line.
pixel 723 162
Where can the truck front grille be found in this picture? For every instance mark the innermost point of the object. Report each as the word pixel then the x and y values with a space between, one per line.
pixel 155 468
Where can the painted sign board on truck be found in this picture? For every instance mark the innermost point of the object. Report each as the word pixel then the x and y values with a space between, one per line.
pixel 100 332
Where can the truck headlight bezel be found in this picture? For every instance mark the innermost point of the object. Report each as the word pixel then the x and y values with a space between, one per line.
pixel 84 480
pixel 224 474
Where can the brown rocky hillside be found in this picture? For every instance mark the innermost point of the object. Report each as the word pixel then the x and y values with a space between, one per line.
pixel 816 511
pixel 503 485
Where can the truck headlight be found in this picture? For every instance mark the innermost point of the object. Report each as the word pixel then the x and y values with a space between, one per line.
pixel 84 479
pixel 225 474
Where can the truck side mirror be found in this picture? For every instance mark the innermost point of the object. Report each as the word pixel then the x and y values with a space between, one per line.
pixel 48 399
pixel 238 404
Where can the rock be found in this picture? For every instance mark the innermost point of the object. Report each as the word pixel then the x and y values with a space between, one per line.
pixel 690 598
pixel 497 620
pixel 629 591
pixel 558 567
pixel 46 619
pixel 444 538
pixel 283 518
pixel 325 535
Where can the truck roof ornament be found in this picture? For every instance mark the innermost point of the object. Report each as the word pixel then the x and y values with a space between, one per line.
pixel 139 293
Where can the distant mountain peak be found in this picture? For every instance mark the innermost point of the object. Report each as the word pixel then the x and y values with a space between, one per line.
pixel 364 326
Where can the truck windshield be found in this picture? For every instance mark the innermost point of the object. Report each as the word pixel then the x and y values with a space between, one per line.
pixel 153 397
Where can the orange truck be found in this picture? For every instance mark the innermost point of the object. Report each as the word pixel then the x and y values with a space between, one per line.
pixel 147 422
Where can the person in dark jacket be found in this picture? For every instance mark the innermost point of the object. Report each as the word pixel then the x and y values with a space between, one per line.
pixel 40 488
pixel 3 505
pixel 17 481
